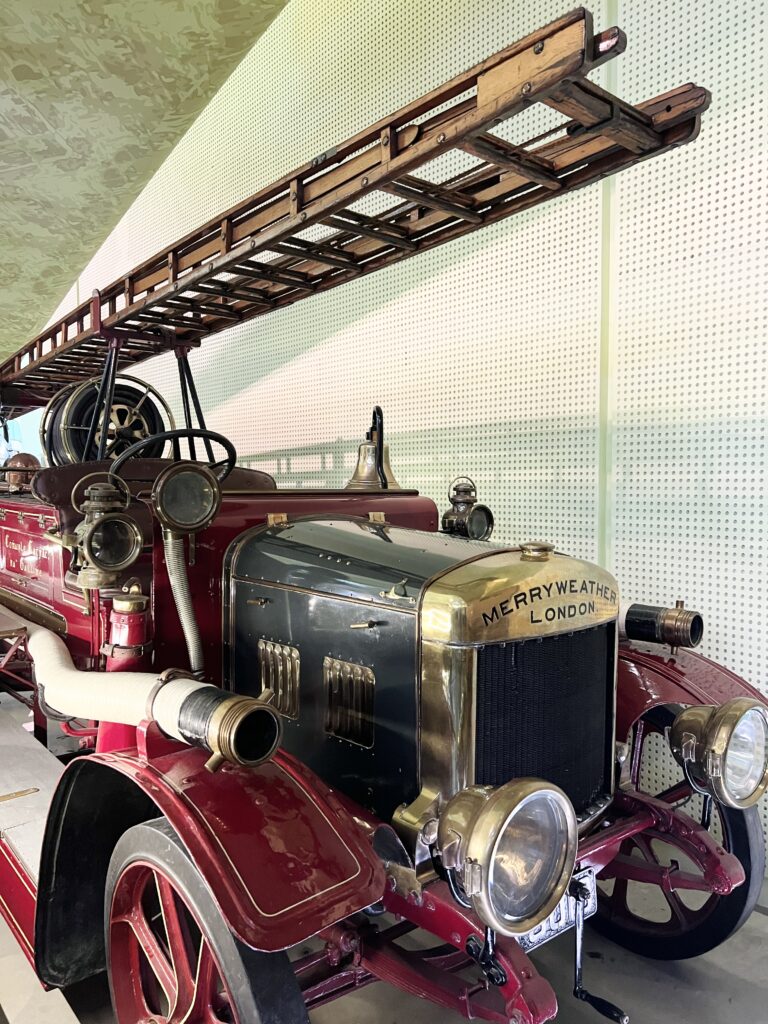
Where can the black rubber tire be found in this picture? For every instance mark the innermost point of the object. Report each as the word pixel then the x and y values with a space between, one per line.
pixel 743 836
pixel 263 986
pixel 51 448
pixel 82 411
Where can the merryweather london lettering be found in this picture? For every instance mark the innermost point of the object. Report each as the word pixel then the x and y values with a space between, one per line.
pixel 559 600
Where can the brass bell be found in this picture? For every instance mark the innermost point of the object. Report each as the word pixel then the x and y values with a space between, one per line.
pixel 373 456
pixel 366 477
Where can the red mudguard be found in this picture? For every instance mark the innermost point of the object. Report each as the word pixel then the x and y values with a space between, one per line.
pixel 281 855
pixel 649 675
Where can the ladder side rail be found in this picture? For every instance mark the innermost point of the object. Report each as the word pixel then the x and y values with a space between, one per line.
pixel 57 336
pixel 214 277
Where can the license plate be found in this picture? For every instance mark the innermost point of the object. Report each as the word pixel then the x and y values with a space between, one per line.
pixel 563 917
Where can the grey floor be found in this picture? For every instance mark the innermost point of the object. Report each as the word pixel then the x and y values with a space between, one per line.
pixel 729 986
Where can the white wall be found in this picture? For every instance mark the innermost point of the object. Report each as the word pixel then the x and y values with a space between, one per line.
pixel 596 364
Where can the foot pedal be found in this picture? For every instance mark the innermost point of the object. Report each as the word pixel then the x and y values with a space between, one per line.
pixel 609 1010
pixel 580 893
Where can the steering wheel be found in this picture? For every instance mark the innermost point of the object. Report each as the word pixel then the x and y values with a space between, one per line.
pixel 222 469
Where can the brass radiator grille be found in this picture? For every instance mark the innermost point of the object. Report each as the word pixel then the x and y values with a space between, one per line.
pixel 545 709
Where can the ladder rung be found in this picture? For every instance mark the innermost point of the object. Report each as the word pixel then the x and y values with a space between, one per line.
pixel 163 320
pixel 252 295
pixel 382 231
pixel 431 198
pixel 261 272
pixel 373 222
pixel 206 308
pixel 305 250
pixel 601 113
pixel 74 359
pixel 504 154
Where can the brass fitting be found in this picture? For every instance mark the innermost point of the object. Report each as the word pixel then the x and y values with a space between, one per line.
pixel 244 731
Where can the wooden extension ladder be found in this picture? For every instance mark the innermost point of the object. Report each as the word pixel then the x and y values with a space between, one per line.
pixel 257 257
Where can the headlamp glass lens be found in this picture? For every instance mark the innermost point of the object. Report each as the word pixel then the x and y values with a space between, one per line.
pixel 746 756
pixel 529 857
pixel 188 498
pixel 113 543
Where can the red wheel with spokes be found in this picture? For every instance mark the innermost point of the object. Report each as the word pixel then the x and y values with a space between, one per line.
pixel 685 922
pixel 172 958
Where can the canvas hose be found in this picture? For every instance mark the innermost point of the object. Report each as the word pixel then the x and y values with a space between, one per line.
pixel 240 729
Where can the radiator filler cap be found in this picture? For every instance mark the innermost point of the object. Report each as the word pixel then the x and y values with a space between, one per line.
pixel 536 551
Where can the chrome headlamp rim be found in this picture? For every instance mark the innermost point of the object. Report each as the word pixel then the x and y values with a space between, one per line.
pixel 167 520
pixel 473 825
pixel 700 737
pixel 92 555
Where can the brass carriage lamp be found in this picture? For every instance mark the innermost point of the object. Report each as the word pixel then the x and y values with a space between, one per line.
pixel 108 540
pixel 466 517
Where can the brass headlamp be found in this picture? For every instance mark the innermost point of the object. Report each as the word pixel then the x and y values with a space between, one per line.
pixel 186 497
pixel 512 848
pixel 724 750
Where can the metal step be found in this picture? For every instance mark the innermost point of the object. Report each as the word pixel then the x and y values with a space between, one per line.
pixel 29 773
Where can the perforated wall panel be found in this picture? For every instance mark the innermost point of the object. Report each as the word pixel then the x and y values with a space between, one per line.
pixel 690 307
pixel 597 365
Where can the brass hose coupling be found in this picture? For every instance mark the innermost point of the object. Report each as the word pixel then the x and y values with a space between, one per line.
pixel 235 728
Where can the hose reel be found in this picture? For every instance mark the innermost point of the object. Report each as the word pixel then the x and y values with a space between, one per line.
pixel 136 411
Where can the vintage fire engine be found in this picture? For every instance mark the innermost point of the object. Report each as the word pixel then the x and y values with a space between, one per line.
pixel 324 737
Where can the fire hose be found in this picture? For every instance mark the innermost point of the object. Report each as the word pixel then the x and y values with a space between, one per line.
pixel 242 730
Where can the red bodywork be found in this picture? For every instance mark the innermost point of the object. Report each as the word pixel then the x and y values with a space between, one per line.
pixel 32 567
pixel 18 895
pixel 310 867
pixel 649 675
pixel 273 843
pixel 285 857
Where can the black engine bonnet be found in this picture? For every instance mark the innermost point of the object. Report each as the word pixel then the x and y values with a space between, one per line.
pixel 349 558
pixel 306 598
pixel 348 589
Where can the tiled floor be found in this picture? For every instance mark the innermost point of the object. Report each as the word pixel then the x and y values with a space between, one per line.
pixel 726 987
